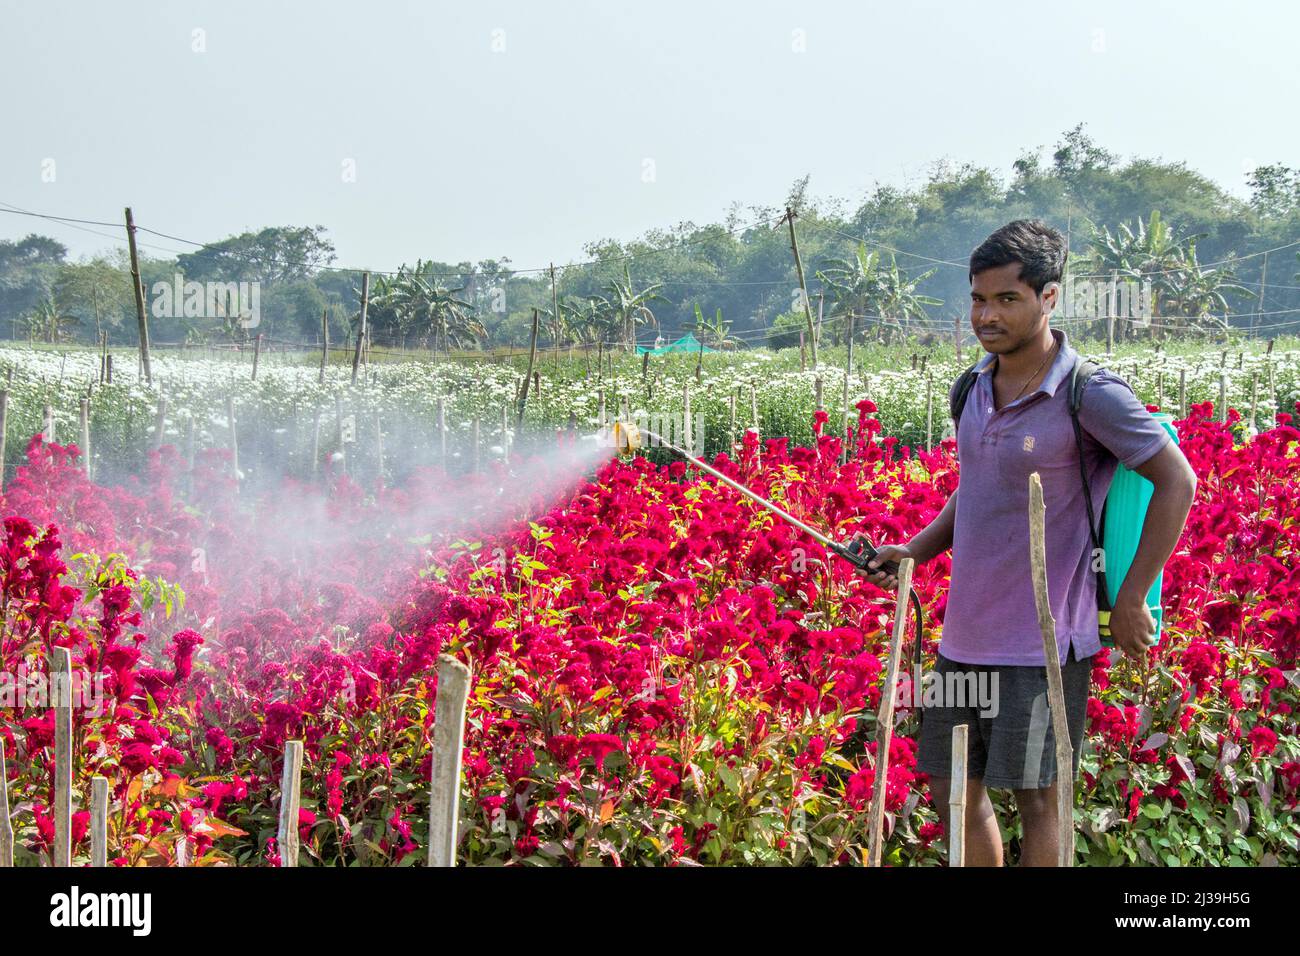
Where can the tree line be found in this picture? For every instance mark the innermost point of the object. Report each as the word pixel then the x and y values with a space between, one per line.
pixel 895 264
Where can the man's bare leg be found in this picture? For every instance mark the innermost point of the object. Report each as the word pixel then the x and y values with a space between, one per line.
pixel 983 837
pixel 1037 809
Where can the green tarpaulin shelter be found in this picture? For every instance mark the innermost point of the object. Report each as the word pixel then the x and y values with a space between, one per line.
pixel 687 343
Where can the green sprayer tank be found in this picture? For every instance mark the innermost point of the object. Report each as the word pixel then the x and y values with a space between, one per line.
pixel 1126 510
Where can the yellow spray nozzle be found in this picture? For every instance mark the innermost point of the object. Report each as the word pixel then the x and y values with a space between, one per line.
pixel 626 436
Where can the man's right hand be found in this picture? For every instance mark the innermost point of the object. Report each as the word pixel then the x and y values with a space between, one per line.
pixel 886 553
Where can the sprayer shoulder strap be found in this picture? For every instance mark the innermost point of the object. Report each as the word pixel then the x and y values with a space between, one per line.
pixel 957 394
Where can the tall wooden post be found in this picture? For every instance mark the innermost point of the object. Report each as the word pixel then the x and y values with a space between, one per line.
pixel 324 343
pixel 160 421
pixel 1182 393
pixel 257 353
pixel 99 821
pixel 290 795
pixel 4 428
pixel 6 826
pixel 448 743
pixel 85 436
pixel 142 322
pixel 361 329
pixel 885 718
pixel 803 286
pixel 1055 686
pixel 234 438
pixel 1223 397
pixel 957 797
pixel 523 392
pixel 60 663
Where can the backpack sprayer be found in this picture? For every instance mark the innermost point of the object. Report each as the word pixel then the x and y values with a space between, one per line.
pixel 627 440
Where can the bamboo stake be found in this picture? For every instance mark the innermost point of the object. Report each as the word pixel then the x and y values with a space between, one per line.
pixel 686 417
pixel 361 329
pixel 929 412
pixel 324 343
pixel 257 353
pixel 290 788
pixel 47 431
pixel 142 321
pixel 1223 396
pixel 160 421
pixel 523 392
pixel 442 431
pixel 731 424
pixel 803 286
pixel 99 821
pixel 474 460
pixel 885 718
pixel 61 692
pixel 1254 395
pixel 6 826
pixel 85 436
pixel 957 797
pixel 1055 687
pixel 234 439
pixel 4 429
pixel 818 393
pixel 448 742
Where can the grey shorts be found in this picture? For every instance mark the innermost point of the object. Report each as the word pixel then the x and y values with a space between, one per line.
pixel 1010 741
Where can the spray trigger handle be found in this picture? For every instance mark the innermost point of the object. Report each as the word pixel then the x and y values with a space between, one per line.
pixel 859 551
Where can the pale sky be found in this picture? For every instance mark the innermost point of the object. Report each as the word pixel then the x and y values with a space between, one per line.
pixel 571 121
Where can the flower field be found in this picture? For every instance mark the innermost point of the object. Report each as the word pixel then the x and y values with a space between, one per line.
pixel 275 412
pixel 661 674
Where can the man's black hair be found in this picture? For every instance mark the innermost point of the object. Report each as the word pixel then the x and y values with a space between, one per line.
pixel 1038 248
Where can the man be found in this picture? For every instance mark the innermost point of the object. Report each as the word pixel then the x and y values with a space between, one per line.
pixel 1016 421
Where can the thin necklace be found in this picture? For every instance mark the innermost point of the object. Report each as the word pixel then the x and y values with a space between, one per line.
pixel 1050 353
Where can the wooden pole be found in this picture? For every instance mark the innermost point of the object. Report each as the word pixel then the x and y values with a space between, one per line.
pixel 686 417
pixel 523 393
pixel 290 788
pixel 957 797
pixel 600 403
pixel 1254 395
pixel 885 718
pixel 442 431
pixel 379 446
pixel 234 438
pixel 324 343
pixel 160 421
pixel 257 353
pixel 1223 397
pixel 803 286
pixel 315 445
pixel 99 821
pixel 848 374
pixel 929 412
pixel 731 424
pixel 4 430
pixel 448 743
pixel 361 330
pixel 142 321
pixel 6 826
pixel 1182 393
pixel 1055 687
pixel 803 353
pixel 474 460
pixel 47 430
pixel 818 394
pixel 85 436
pixel 61 693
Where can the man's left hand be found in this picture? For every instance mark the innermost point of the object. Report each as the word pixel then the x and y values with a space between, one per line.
pixel 1132 627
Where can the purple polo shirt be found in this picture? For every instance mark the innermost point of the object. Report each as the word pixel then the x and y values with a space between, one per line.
pixel 991 617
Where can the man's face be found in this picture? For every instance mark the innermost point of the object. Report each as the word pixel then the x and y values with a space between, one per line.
pixel 1005 313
